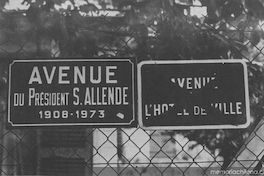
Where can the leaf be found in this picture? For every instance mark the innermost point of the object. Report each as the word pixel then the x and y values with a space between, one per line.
pixel 33 13
pixel 3 3
pixel 125 3
pixel 212 7
pixel 4 22
pixel 88 8
pixel 254 38
pixel 255 8
pixel 58 2
pixel 232 9
pixel 22 24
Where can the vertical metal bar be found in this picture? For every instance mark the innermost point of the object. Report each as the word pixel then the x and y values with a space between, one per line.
pixel 89 149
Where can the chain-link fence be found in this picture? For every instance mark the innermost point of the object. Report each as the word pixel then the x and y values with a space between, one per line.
pixel 144 30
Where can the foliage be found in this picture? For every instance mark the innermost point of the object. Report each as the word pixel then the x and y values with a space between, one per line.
pixel 222 34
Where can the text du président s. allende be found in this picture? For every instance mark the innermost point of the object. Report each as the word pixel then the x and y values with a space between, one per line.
pixel 82 95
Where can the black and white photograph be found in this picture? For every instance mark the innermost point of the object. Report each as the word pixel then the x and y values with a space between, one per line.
pixel 131 87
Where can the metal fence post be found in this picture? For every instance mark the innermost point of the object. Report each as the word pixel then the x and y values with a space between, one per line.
pixel 252 151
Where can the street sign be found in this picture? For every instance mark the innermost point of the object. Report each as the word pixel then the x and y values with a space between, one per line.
pixel 201 94
pixel 93 92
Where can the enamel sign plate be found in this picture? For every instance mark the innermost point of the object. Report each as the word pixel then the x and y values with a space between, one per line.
pixel 202 94
pixel 93 92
